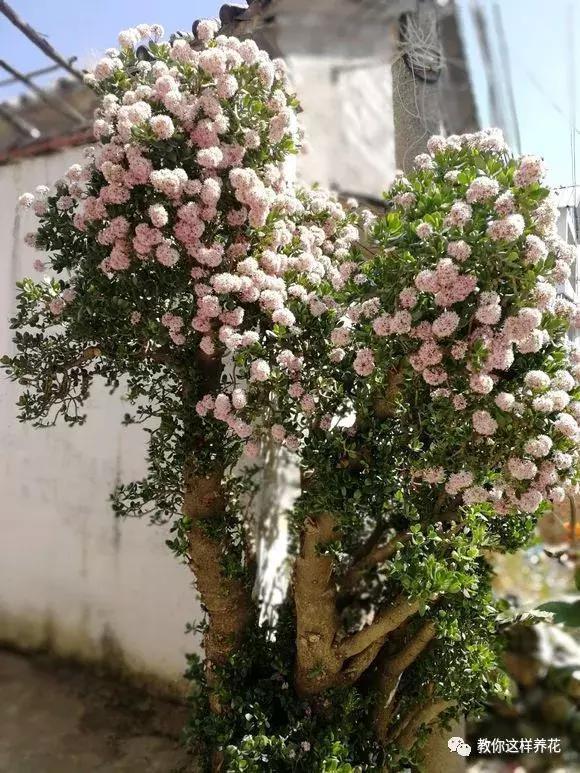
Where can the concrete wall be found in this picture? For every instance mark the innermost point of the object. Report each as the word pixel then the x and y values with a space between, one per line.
pixel 72 577
pixel 344 84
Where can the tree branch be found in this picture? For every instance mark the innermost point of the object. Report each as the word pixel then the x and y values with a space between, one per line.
pixel 390 669
pixel 426 715
pixel 377 555
pixel 387 620
pixel 90 353
pixel 412 649
pixel 370 543
pixel 358 664
pixel 317 620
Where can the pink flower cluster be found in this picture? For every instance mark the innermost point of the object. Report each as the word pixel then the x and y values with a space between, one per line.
pixel 243 247
pixel 463 327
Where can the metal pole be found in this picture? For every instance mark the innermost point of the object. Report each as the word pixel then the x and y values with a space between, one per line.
pixel 38 40
pixel 55 102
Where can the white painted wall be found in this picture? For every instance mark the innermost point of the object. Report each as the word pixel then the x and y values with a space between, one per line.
pixel 348 119
pixel 340 66
pixel 72 577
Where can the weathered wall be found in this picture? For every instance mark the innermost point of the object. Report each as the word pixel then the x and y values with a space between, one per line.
pixel 343 81
pixel 72 577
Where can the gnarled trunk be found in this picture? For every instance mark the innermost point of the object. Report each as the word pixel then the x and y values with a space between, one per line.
pixel 227 600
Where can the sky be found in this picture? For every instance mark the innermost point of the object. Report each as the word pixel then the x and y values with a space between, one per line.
pixel 85 28
pixel 543 42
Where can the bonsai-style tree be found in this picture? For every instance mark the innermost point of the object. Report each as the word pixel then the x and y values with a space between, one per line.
pixel 415 364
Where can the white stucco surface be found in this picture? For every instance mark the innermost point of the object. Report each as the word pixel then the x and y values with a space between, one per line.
pixel 72 577
pixel 348 120
pixel 342 76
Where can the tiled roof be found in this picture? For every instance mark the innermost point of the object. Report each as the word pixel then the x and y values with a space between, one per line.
pixel 45 121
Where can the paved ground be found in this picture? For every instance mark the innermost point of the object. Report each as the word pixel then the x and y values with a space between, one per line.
pixel 58 719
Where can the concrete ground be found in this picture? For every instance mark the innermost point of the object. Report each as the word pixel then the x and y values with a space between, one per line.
pixel 56 718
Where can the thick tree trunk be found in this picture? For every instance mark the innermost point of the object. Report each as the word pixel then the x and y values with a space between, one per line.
pixel 436 755
pixel 317 620
pixel 227 600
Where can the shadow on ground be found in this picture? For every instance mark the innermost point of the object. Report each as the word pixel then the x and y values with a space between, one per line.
pixel 56 718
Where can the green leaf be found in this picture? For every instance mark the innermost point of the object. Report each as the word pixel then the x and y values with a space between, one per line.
pixel 565 612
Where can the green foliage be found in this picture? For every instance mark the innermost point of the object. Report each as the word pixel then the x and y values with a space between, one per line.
pixel 565 612
pixel 269 727
pixel 379 446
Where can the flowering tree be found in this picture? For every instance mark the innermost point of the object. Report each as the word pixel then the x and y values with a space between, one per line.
pixel 415 363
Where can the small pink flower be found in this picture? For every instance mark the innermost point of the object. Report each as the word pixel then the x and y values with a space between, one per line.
pixel 505 401
pixel 424 231
pixel 531 170
pixel 26 200
pixel 382 325
pixel 278 433
pixel 445 324
pixel 259 370
pixel 482 188
pixel 56 306
pixel 162 126
pixel 481 383
pixel 408 297
pixel 458 481
pixel 483 423
pixel 508 229
pixel 459 250
pixel 158 215
pixel 292 442
pixel 364 362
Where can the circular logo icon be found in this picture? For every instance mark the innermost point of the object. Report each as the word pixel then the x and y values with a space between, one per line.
pixel 454 742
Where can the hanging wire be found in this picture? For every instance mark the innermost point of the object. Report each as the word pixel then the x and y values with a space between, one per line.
pixel 39 41
pixel 10 116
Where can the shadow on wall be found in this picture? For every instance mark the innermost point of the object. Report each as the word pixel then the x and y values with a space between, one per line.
pixel 47 636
